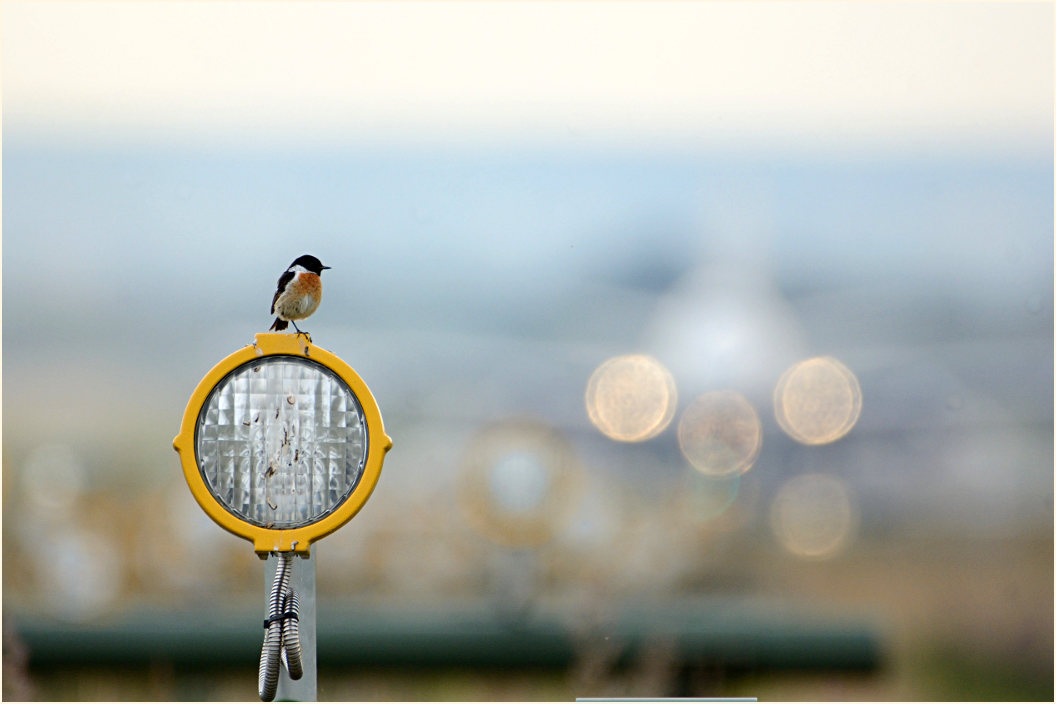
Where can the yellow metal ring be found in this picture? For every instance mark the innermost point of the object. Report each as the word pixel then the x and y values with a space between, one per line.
pixel 267 540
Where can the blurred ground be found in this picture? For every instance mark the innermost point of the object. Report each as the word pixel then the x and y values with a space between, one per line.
pixel 957 619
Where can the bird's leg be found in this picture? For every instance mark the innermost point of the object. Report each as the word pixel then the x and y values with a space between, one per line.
pixel 301 332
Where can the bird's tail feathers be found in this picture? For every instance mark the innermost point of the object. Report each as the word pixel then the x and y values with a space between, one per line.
pixel 279 325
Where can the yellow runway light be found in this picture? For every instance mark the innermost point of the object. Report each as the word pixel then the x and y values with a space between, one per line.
pixel 282 443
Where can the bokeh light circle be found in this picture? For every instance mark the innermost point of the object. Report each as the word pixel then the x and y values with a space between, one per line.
pixel 720 434
pixel 817 401
pixel 707 497
pixel 631 398
pixel 80 572
pixel 813 516
pixel 518 482
pixel 54 479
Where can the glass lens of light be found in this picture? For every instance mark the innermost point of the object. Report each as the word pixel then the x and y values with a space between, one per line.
pixel 281 442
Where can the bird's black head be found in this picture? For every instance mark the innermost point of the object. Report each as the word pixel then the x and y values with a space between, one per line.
pixel 310 263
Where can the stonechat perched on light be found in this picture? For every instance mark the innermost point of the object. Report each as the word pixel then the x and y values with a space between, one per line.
pixel 299 292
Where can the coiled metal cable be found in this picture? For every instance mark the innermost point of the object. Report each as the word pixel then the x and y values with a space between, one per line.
pixel 291 637
pixel 282 640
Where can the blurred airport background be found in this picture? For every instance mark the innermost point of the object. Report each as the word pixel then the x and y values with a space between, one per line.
pixel 715 341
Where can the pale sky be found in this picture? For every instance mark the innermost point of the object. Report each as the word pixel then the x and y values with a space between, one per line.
pixel 633 70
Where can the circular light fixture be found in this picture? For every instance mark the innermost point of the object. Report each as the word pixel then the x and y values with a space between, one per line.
pixel 282 443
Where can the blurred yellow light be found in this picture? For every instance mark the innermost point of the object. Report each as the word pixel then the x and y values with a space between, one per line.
pixel 813 517
pixel 518 482
pixel 720 434
pixel 631 398
pixel 79 572
pixel 817 401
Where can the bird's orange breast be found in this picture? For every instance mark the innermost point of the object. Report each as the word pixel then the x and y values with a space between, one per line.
pixel 306 284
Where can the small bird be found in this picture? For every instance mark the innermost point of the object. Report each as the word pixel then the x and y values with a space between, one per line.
pixel 299 292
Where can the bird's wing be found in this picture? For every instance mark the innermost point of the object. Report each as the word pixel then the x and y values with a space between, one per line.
pixel 286 277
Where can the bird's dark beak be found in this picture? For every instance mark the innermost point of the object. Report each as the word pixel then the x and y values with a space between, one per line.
pixel 326 267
